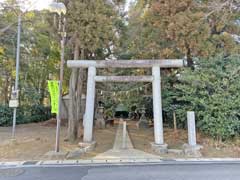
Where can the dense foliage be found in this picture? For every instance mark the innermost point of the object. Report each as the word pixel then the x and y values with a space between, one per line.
pixel 25 114
pixel 178 28
pixel 212 91
pixel 39 57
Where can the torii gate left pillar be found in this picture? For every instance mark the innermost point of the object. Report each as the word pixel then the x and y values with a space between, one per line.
pixel 158 144
pixel 90 100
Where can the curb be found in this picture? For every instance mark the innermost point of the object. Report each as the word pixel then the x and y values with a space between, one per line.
pixel 102 162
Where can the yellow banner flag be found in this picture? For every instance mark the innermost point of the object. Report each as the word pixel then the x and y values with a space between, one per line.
pixel 53 87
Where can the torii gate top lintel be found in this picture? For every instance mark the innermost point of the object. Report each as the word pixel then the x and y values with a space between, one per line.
pixel 162 63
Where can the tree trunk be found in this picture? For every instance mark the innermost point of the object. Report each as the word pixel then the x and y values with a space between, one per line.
pixel 72 110
pixel 6 91
pixel 80 87
pixel 174 121
pixel 42 90
pixel 189 56
pixel 79 96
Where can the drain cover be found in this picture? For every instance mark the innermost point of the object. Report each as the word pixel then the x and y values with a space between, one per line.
pixel 11 172
pixel 30 162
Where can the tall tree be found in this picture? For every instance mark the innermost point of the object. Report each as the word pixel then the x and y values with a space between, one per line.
pixel 177 28
pixel 92 31
pixel 8 22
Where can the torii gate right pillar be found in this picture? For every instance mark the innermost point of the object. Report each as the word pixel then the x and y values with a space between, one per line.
pixel 157 105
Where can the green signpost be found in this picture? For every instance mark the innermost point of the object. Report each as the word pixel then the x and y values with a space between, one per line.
pixel 53 87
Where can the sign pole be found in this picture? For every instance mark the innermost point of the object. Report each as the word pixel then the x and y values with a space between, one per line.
pixel 54 90
pixel 17 74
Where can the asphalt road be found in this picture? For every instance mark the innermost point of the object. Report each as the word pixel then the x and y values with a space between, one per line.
pixel 229 171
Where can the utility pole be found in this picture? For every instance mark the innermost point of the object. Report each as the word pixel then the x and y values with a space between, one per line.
pixel 15 93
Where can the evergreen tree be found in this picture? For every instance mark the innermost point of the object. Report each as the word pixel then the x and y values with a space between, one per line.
pixel 92 27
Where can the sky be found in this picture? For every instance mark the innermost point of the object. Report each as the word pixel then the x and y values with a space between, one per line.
pixel 34 4
pixel 128 4
pixel 43 4
pixel 38 4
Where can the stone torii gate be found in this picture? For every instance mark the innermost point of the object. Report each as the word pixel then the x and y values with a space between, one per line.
pixel 156 65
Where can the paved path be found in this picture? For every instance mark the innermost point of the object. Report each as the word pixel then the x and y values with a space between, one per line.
pixel 134 172
pixel 117 152
pixel 119 138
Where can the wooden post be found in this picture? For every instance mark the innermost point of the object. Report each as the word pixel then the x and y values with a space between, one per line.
pixel 174 122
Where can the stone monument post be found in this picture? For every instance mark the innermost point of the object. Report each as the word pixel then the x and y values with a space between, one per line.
pixel 192 148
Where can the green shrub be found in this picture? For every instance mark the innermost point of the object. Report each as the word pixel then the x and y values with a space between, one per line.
pixel 6 115
pixel 25 114
pixel 212 90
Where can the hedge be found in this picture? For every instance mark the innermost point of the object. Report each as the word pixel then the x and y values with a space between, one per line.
pixel 25 114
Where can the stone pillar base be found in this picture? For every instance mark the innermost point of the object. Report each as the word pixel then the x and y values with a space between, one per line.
pixel 87 146
pixel 159 148
pixel 192 151
pixel 83 148
pixel 100 124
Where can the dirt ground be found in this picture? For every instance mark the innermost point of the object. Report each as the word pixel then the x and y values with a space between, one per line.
pixel 34 140
pixel 211 149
